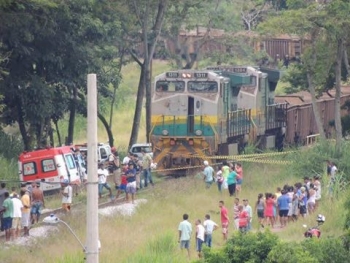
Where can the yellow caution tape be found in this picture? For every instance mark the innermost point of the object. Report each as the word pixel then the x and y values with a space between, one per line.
pixel 253 160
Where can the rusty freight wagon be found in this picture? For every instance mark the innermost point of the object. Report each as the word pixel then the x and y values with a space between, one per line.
pixel 301 123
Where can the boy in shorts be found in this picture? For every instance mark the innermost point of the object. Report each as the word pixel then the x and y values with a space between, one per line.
pixel 122 186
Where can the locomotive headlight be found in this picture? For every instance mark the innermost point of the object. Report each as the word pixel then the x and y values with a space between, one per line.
pixel 198 132
pixel 165 132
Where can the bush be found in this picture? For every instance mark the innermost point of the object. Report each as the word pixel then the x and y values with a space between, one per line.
pixel 290 252
pixel 327 250
pixel 312 161
pixel 246 247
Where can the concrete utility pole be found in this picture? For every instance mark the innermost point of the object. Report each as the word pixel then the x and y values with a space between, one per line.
pixel 92 236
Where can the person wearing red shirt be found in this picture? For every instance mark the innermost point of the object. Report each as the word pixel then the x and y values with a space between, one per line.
pixel 123 184
pixel 224 219
pixel 243 219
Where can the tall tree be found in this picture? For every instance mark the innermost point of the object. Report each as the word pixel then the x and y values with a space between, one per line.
pixel 142 21
pixel 47 51
pixel 305 20
pixel 337 24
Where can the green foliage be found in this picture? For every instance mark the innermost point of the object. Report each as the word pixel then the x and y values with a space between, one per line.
pixel 10 146
pixel 246 247
pixel 345 124
pixel 52 47
pixel 312 161
pixel 290 252
pixel 326 250
pixel 347 218
pixel 9 172
pixel 296 77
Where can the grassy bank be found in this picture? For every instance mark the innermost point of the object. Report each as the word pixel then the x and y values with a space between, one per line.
pixel 151 234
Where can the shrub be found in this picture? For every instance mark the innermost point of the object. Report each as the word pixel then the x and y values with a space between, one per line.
pixel 290 252
pixel 327 250
pixel 246 247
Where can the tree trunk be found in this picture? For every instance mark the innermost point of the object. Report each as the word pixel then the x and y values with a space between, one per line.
pixel 58 132
pixel 50 133
pixel 310 79
pixel 72 114
pixel 107 127
pixel 22 127
pixel 148 99
pixel 138 110
pixel 315 107
pixel 337 116
pixel 346 62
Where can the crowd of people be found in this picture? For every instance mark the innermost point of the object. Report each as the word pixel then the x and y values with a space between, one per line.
pixel 19 211
pixel 22 210
pixel 286 204
pixel 134 174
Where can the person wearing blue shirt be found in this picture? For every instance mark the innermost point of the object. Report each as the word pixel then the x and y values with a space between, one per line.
pixel 283 207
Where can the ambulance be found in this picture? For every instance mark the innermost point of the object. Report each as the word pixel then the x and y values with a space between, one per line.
pixel 49 166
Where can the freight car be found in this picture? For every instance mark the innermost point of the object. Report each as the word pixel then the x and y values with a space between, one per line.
pixel 199 113
pixel 300 116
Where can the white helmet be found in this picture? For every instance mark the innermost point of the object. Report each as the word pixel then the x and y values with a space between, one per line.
pixel 321 218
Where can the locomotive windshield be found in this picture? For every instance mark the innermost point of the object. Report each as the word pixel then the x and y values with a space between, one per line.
pixel 170 86
pixel 203 86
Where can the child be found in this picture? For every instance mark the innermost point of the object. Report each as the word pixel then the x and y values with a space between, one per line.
pixel 122 186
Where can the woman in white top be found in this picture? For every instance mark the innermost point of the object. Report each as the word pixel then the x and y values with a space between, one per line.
pixel 311 202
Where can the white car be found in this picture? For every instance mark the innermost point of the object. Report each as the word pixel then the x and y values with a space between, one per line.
pixel 138 147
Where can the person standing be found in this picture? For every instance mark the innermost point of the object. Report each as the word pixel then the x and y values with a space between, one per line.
pixel 208 174
pixel 102 180
pixel 333 172
pixel 185 231
pixel 67 194
pixel 225 172
pixel 224 219
pixel 239 179
pixel 209 227
pixel 131 186
pixel 123 184
pixel 283 207
pixel 3 190
pixel 231 181
pixel 243 219
pixel 7 209
pixel 248 209
pixel 17 215
pixel 25 211
pixel 146 167
pixel 236 213
pixel 269 207
pixel 219 179
pixel 114 164
pixel 37 202
pixel 318 189
pixel 260 208
pixel 199 237
pixel 127 158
